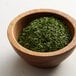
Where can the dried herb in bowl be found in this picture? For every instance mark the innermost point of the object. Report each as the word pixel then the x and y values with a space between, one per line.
pixel 45 34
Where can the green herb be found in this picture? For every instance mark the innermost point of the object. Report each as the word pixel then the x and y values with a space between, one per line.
pixel 45 34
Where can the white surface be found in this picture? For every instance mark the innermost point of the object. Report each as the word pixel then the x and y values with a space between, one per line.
pixel 10 63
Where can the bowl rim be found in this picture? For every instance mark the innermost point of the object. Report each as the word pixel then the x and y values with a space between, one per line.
pixel 20 48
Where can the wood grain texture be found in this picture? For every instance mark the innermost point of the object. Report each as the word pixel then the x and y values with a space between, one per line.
pixel 44 60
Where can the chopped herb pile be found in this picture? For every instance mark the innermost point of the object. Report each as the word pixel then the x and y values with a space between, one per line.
pixel 45 34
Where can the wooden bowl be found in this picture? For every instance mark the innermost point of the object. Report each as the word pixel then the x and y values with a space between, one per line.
pixel 39 59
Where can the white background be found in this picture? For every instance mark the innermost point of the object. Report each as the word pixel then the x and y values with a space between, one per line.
pixel 10 63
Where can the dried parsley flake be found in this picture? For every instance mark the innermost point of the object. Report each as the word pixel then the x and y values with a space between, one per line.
pixel 45 34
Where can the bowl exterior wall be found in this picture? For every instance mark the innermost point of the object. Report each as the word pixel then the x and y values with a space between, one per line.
pixel 44 62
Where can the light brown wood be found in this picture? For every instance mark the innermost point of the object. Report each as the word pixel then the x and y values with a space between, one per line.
pixel 44 60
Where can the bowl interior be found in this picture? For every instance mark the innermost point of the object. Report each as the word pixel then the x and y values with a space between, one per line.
pixel 24 21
